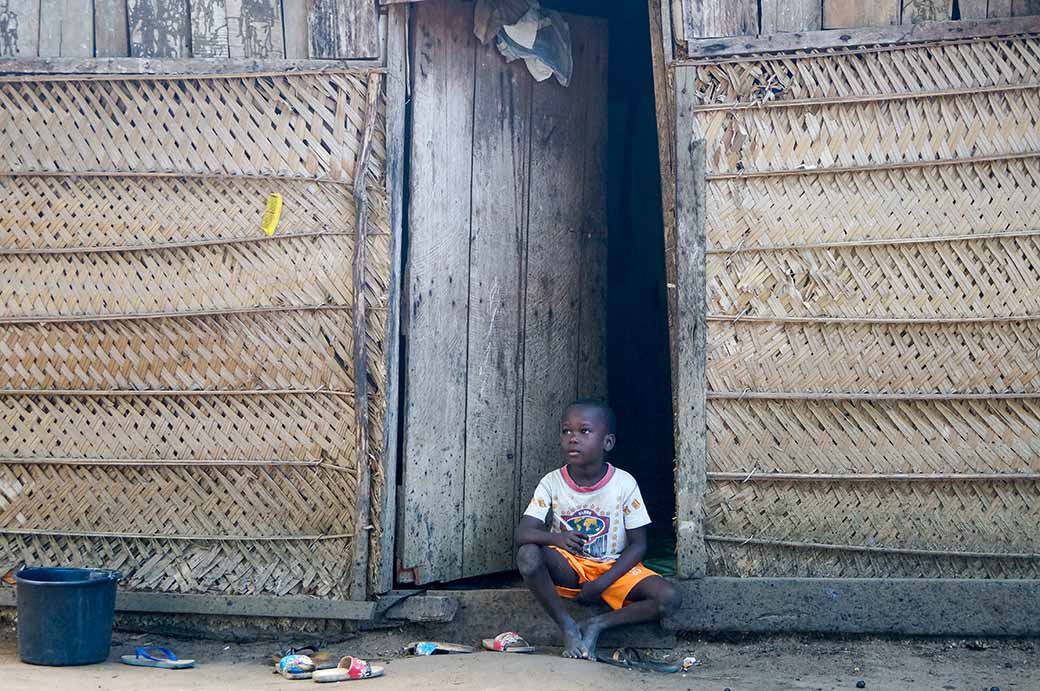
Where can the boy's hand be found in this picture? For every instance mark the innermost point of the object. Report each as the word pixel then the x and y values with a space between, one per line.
pixel 591 592
pixel 571 541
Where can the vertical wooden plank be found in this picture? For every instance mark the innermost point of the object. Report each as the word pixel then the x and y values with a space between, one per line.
pixel 111 39
pixel 297 45
pixel 591 41
pixel 551 298
pixel 711 18
pixel 66 28
pixel 790 15
pixel 689 377
pixel 996 9
pixel 844 14
pixel 20 29
pixel 159 28
pixel 915 11
pixel 973 9
pixel 343 28
pixel 209 28
pixel 396 74
pixel 254 29
pixel 1022 8
pixel 437 277
pixel 501 141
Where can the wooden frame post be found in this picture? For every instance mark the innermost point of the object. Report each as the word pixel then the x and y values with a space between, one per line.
pixel 691 336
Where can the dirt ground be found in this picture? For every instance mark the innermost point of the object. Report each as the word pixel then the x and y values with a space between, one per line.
pixel 748 664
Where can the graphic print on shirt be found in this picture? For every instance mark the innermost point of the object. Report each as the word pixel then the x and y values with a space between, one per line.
pixel 593 526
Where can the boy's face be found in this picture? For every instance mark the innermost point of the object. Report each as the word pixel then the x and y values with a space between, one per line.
pixel 583 435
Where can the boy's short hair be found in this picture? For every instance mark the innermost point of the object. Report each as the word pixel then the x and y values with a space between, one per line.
pixel 602 406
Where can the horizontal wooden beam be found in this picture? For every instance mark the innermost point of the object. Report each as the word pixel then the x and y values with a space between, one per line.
pixel 421 608
pixel 925 32
pixel 901 606
pixel 164 67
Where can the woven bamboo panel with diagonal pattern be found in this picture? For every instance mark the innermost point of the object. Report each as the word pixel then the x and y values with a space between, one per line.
pixel 873 237
pixel 176 388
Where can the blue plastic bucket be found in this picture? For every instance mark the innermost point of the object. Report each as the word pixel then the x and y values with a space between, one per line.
pixel 65 615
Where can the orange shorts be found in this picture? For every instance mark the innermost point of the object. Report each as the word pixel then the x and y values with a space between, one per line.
pixel 590 570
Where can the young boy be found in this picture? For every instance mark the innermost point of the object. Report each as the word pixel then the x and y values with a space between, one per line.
pixel 584 535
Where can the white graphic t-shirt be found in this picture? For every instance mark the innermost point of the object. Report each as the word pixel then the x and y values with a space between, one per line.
pixel 601 512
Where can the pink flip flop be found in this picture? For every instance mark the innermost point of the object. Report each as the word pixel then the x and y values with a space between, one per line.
pixel 349 669
pixel 508 642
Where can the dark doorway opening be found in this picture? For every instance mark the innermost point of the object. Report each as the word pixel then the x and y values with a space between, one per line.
pixel 639 370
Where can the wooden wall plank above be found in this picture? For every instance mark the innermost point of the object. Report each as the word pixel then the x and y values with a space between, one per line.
pixel 847 14
pixel 66 29
pixel 711 18
pixel 255 29
pixel 1024 8
pixel 294 22
pixel 996 8
pixel 21 35
pixel 790 15
pixel 110 35
pixel 343 28
pixel 973 9
pixel 209 29
pixel 159 28
pixel 927 11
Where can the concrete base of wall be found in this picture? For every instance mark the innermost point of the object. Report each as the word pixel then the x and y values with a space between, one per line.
pixel 926 607
pixel 904 606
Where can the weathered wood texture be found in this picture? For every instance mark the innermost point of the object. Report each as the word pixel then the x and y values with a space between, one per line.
pixel 837 279
pixel 498 235
pixel 111 39
pixel 159 28
pixel 215 29
pixel 922 33
pixel 711 18
pixel 294 22
pixel 790 15
pixel 209 28
pixel 689 378
pixel 507 259
pixel 343 28
pixel 66 28
pixel 915 11
pixel 438 290
pixel 845 14
pixel 20 34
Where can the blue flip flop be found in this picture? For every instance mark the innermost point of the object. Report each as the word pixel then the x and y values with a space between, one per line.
pixel 162 658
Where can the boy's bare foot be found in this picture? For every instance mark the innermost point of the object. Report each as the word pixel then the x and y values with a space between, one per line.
pixel 590 632
pixel 573 641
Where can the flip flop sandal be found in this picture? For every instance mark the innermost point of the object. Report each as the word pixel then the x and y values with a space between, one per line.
pixel 508 642
pixel 630 658
pixel 295 667
pixel 436 648
pixel 154 656
pixel 349 669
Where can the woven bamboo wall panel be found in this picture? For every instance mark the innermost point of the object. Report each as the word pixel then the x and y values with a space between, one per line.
pixel 871 133
pixel 202 566
pixel 177 500
pixel 983 357
pixel 973 278
pixel 276 350
pixel 178 389
pixel 305 126
pixel 55 212
pixel 904 70
pixel 286 427
pixel 884 436
pixel 302 271
pixel 937 516
pixel 771 561
pixel 923 202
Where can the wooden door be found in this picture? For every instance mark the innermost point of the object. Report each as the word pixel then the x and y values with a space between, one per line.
pixel 505 309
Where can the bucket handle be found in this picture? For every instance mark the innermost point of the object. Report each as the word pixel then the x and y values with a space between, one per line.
pixel 105 574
